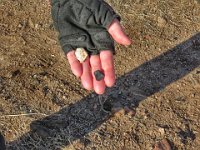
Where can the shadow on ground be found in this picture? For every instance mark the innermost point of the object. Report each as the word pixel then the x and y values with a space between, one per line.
pixel 77 120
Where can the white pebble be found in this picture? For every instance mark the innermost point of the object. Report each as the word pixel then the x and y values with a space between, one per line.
pixel 81 54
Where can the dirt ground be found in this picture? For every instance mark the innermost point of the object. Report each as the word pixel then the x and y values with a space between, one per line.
pixel 44 107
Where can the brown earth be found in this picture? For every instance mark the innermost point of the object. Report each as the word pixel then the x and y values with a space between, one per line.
pixel 44 107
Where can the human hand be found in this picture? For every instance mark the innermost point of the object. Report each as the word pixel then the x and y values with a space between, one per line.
pixel 103 61
pixel 92 25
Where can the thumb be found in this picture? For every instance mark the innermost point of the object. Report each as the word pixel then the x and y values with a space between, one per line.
pixel 116 31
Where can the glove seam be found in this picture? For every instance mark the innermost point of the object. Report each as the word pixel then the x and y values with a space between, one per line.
pixel 92 10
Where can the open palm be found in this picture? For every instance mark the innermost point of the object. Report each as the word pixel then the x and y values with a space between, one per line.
pixel 103 61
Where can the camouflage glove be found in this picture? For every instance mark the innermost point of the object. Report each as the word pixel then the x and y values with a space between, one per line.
pixel 83 24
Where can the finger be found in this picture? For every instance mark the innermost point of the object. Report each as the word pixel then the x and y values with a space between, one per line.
pixel 75 65
pixel 108 67
pixel 99 86
pixel 116 31
pixel 86 77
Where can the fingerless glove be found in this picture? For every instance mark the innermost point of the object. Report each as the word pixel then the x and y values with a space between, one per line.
pixel 83 24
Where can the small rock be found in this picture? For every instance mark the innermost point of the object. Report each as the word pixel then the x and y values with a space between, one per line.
pixel 162 131
pixel 81 54
pixel 99 75
pixel 30 23
pixel 36 26
pixel 20 25
pixel 161 22
pixel 34 76
pixel 162 145
pixel 64 97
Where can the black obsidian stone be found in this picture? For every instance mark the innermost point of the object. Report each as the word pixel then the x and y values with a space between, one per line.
pixel 99 75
